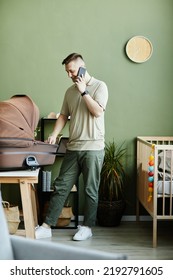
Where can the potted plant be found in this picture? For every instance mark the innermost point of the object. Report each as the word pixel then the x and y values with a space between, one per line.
pixel 111 203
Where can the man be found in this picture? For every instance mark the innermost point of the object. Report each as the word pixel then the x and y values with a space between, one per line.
pixel 84 102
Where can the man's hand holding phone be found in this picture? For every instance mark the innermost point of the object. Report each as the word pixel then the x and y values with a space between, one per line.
pixel 81 72
pixel 80 80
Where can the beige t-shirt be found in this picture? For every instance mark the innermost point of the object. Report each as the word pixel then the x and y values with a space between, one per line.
pixel 86 132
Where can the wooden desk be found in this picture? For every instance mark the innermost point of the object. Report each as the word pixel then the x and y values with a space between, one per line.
pixel 26 179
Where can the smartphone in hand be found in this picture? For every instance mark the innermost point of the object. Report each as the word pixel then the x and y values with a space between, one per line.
pixel 81 72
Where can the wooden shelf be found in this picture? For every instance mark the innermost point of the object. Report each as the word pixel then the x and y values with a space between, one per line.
pixel 45 195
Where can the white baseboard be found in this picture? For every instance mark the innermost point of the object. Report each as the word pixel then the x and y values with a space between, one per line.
pixel 133 218
pixel 130 218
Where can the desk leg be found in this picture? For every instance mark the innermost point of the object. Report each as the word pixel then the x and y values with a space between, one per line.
pixel 34 204
pixel 25 189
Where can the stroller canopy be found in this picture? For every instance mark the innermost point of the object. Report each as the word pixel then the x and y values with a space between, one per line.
pixel 19 117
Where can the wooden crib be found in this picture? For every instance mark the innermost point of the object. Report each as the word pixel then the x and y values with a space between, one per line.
pixel 158 203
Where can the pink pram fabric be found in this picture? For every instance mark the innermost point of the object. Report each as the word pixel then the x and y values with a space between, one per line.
pixel 19 117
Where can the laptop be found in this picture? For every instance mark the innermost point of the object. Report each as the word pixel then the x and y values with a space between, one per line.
pixel 62 146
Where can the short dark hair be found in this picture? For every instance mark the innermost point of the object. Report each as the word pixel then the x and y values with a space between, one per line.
pixel 70 57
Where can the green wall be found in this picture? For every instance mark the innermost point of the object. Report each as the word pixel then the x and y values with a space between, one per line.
pixel 36 35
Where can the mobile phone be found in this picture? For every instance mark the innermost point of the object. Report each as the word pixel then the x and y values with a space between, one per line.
pixel 81 72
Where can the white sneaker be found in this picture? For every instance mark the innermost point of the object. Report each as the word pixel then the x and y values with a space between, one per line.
pixel 83 233
pixel 42 232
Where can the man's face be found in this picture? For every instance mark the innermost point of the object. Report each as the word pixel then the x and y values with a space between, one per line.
pixel 72 69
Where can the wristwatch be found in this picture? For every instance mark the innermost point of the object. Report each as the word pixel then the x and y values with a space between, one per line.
pixel 84 93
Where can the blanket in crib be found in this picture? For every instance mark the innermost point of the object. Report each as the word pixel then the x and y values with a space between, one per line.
pixel 165 165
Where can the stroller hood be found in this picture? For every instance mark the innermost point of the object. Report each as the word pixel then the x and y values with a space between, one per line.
pixel 19 117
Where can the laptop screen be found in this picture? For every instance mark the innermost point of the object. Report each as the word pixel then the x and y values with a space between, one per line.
pixel 62 146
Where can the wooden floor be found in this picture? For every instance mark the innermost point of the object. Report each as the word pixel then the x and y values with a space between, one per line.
pixel 131 238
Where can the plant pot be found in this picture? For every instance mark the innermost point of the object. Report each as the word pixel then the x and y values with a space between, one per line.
pixel 109 214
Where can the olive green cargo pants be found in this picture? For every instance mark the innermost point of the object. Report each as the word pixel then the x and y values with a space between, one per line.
pixel 87 163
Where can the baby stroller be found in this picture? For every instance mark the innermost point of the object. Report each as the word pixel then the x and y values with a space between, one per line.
pixel 19 117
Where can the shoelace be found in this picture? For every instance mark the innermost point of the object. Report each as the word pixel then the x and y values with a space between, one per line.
pixel 82 229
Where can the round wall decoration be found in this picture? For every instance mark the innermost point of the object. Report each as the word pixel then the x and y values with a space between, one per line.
pixel 139 49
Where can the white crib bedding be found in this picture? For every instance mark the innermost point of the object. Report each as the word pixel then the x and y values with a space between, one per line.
pixel 165 186
pixel 165 171
pixel 165 166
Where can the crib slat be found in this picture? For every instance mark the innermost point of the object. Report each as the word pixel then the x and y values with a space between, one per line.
pixel 170 208
pixel 163 184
